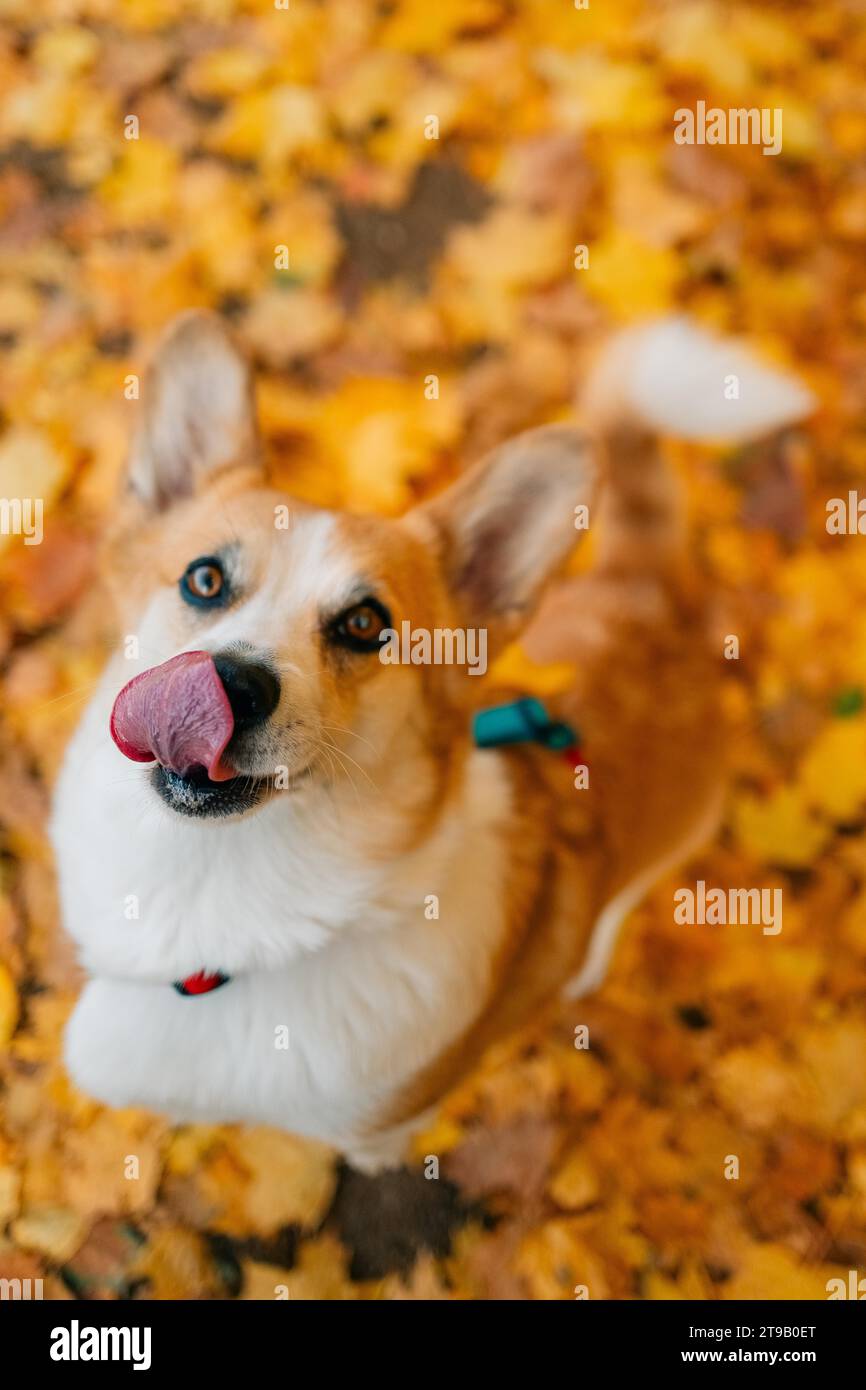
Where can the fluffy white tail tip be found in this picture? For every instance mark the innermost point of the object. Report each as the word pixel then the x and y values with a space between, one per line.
pixel 672 377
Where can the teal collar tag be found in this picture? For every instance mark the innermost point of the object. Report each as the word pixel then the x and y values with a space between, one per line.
pixel 521 721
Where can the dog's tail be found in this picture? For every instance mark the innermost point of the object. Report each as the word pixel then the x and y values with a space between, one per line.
pixel 670 377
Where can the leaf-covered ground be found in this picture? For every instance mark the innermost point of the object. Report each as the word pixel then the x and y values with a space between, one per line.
pixel 307 128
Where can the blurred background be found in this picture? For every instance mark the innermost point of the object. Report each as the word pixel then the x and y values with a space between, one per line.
pixel 446 247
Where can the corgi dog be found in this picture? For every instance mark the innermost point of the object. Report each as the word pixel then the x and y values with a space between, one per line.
pixel 257 812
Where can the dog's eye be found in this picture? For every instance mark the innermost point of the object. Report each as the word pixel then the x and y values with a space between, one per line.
pixel 361 626
pixel 203 582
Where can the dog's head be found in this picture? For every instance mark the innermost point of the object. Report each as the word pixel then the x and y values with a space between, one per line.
pixel 262 627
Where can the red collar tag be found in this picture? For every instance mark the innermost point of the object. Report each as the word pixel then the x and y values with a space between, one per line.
pixel 201 983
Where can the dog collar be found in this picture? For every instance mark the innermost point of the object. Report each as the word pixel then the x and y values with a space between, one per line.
pixel 522 721
pixel 201 983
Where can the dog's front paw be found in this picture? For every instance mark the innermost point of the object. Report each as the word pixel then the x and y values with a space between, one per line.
pixel 117 1047
pixel 94 1050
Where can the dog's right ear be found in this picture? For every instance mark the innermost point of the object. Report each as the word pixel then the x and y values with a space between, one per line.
pixel 197 414
pixel 507 525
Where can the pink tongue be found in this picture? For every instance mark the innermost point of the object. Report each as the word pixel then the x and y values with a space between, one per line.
pixel 178 714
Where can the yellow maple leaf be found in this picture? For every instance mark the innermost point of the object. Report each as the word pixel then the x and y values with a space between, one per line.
pixel 697 40
pixel 630 277
pixel 833 773
pixel 291 1180
pixel 779 828
pixel 66 49
pixel 270 125
pixel 594 92
pixel 772 1271
pixel 575 1184
pixel 50 1230
pixel 555 1260
pixel 419 27
pixel 141 187
pixel 512 247
pixel 383 432
pixel 224 72
pixel 178 1264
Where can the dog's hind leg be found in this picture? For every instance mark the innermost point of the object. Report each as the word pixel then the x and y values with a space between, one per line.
pixel 646 701
pixel 602 942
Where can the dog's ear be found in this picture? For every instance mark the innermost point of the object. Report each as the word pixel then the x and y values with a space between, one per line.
pixel 506 527
pixel 196 416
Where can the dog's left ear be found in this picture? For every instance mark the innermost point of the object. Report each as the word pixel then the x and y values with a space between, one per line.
pixel 506 527
pixel 197 414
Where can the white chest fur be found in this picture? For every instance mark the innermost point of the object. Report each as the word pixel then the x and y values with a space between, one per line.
pixel 326 951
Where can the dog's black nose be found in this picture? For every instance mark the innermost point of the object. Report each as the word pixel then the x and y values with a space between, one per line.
pixel 252 690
